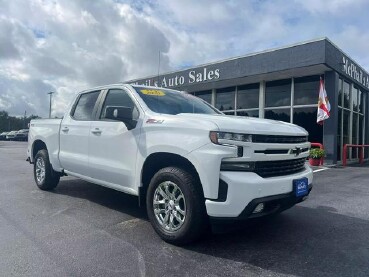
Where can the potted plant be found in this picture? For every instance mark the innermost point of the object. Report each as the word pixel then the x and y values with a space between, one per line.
pixel 316 154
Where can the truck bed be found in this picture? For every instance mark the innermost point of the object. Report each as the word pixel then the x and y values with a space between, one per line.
pixel 48 131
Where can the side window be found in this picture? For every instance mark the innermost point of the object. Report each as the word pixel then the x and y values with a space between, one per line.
pixel 118 105
pixel 117 98
pixel 85 106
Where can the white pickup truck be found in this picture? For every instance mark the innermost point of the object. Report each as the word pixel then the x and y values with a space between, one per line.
pixel 183 158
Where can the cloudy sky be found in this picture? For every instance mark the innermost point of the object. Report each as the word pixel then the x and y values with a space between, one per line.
pixel 70 45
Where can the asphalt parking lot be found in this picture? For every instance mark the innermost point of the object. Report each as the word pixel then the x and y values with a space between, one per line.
pixel 81 229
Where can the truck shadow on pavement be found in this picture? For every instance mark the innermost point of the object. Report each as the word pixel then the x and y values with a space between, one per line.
pixel 103 196
pixel 302 241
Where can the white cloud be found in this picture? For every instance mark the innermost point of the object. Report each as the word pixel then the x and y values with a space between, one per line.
pixel 66 46
pixel 337 7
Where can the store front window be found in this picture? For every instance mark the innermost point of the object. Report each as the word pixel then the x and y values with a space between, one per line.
pixel 204 95
pixel 278 93
pixel 340 92
pixel 339 134
pixel 278 114
pixel 306 90
pixel 346 95
pixel 340 122
pixel 225 99
pixel 355 103
pixel 306 118
pixel 346 129
pixel 361 102
pixel 350 129
pixel 250 113
pixel 248 97
pixel 355 134
pixel 355 121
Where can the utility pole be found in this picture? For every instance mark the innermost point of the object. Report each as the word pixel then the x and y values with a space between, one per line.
pixel 24 119
pixel 159 69
pixel 51 94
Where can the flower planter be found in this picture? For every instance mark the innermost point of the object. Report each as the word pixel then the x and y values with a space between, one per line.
pixel 314 162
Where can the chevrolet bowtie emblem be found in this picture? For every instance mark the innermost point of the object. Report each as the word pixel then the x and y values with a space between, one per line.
pixel 297 151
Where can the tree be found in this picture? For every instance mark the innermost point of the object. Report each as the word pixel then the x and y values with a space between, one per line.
pixel 13 123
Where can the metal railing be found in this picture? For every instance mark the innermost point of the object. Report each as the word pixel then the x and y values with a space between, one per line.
pixel 361 152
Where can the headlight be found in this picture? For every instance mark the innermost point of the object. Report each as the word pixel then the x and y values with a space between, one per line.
pixel 216 136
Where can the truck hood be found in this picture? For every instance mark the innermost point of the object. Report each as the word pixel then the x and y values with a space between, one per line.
pixel 251 125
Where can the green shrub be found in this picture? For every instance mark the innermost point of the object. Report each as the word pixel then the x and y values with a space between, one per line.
pixel 316 153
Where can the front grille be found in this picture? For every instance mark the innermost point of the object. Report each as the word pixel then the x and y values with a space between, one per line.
pixel 272 151
pixel 278 139
pixel 279 168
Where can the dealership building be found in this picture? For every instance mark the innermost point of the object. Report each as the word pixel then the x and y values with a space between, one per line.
pixel 283 84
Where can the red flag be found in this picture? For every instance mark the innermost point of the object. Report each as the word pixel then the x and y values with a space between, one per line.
pixel 323 104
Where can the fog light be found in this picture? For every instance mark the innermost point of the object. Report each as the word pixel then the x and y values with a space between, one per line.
pixel 259 208
pixel 237 166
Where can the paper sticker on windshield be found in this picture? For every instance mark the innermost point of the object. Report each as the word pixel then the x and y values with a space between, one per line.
pixel 153 92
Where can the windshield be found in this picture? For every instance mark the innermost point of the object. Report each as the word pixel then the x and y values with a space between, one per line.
pixel 168 101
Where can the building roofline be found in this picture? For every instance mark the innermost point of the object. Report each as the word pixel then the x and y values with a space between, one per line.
pixel 255 54
pixel 348 56
pixel 240 57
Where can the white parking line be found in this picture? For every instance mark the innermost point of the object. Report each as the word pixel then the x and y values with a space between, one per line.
pixel 320 169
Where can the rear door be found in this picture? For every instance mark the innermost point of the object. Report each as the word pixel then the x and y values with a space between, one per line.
pixel 75 131
pixel 114 143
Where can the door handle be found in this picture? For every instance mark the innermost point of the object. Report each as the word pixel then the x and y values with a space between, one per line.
pixel 65 129
pixel 96 131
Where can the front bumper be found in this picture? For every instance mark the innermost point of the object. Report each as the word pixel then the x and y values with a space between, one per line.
pixel 247 189
pixel 273 204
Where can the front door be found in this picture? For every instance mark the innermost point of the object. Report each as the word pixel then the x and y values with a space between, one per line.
pixel 113 143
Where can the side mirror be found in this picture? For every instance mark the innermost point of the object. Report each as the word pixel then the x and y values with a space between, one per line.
pixel 119 113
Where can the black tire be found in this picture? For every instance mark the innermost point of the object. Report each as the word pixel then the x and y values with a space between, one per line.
pixel 51 177
pixel 195 220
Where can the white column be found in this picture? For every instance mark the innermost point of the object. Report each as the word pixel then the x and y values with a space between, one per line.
pixel 235 100
pixel 213 97
pixel 261 99
pixel 292 98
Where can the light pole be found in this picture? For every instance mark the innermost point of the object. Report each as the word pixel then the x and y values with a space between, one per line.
pixel 51 94
pixel 24 119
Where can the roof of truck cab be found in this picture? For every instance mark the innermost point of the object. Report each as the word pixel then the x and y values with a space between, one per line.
pixel 120 85
pixel 102 87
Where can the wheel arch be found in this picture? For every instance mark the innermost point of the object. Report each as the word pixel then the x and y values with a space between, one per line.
pixel 156 161
pixel 37 146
